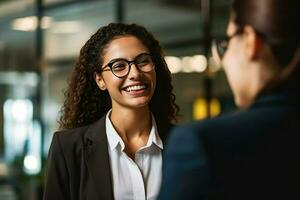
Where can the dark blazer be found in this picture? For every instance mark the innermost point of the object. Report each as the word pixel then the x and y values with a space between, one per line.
pixel 250 154
pixel 78 165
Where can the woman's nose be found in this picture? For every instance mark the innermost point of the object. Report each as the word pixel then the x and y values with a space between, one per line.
pixel 134 71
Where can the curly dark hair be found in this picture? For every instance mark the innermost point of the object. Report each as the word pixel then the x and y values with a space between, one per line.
pixel 85 102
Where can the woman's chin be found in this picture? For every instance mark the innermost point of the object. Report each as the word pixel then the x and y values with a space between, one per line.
pixel 139 103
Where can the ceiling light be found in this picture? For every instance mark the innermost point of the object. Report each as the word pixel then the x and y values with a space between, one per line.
pixel 30 23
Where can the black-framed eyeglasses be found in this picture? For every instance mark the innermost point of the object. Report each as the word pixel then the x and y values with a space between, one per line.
pixel 120 67
pixel 221 45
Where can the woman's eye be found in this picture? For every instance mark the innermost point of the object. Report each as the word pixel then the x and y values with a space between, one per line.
pixel 143 61
pixel 119 66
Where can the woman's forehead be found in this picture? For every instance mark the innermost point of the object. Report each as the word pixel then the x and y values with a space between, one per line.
pixel 124 47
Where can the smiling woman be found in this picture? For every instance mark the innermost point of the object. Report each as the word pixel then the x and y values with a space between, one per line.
pixel 118 110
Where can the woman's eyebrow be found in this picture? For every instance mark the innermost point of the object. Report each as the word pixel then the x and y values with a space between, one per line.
pixel 116 59
pixel 120 58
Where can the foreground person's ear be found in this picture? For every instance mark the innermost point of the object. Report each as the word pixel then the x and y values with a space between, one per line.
pixel 253 42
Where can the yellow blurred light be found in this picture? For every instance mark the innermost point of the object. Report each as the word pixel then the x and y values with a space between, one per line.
pixel 200 108
pixel 215 107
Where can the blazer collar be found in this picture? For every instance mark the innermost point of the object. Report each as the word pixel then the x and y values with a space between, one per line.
pixel 96 132
pixel 97 159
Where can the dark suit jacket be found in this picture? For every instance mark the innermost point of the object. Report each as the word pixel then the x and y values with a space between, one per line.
pixel 251 154
pixel 78 165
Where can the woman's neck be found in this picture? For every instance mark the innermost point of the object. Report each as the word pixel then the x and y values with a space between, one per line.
pixel 133 126
pixel 131 123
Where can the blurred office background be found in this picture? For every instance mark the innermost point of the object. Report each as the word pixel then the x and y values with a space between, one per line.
pixel 39 43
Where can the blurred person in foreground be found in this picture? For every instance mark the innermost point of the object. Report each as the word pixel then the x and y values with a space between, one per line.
pixel 252 153
pixel 118 109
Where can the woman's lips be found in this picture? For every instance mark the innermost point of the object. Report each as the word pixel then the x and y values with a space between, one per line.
pixel 137 89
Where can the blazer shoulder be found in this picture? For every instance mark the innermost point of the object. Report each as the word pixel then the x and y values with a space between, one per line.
pixel 71 135
pixel 81 136
pixel 210 127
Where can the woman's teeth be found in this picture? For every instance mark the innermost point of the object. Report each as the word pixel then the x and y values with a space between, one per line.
pixel 135 88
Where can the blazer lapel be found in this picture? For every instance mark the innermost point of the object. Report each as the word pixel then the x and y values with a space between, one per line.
pixel 97 159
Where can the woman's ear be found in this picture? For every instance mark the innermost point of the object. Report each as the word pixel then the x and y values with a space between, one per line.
pixel 100 81
pixel 252 42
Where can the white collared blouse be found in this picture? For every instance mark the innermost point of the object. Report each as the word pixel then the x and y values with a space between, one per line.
pixel 137 179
